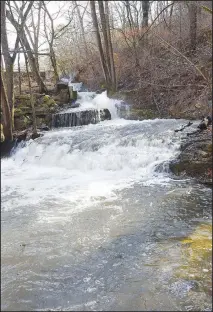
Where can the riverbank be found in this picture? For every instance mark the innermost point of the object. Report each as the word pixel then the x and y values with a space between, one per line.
pixel 195 159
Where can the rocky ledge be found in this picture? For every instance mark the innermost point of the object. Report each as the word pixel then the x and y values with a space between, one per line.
pixel 195 159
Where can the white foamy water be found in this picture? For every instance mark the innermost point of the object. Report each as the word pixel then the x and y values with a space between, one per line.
pixel 91 100
pixel 83 164
pixel 75 85
pixel 82 209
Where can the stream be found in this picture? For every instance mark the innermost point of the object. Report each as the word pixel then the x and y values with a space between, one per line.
pixel 93 220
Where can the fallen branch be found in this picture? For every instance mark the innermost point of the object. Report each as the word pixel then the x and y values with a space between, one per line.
pixel 181 129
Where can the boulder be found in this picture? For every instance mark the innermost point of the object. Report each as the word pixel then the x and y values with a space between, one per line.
pixel 195 159
pixel 74 105
pixel 105 114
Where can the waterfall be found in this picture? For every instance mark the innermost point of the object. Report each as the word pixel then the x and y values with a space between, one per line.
pixel 93 109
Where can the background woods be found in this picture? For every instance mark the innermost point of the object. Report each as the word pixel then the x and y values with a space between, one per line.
pixel 158 53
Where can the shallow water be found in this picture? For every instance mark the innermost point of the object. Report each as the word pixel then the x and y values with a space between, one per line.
pixel 92 219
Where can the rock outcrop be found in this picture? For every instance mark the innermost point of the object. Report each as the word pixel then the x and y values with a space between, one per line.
pixel 195 159
pixel 79 118
pixel 45 106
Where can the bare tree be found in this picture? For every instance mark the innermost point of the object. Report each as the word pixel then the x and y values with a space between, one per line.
pixel 25 43
pixel 105 36
pixel 8 59
pixel 98 38
pixel 145 6
pixel 81 23
pixel 50 40
pixel 112 63
pixel 192 7
pixel 6 118
pixel 31 96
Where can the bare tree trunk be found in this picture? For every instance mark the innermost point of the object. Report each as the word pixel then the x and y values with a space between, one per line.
pixel 98 38
pixel 193 25
pixel 112 63
pixel 31 58
pixel 87 51
pixel 19 74
pixel 170 16
pixel 31 97
pixel 82 28
pixel 32 62
pixel 145 7
pixel 104 31
pixel 6 120
pixel 8 60
pixel 131 26
pixel 50 42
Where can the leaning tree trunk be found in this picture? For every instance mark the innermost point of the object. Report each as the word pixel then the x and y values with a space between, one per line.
pixel 54 63
pixel 32 62
pixel 98 38
pixel 6 118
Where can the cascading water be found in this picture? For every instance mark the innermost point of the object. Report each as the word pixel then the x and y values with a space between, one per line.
pixel 93 108
pixel 89 222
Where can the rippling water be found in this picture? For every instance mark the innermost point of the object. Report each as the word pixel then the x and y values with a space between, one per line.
pixel 92 219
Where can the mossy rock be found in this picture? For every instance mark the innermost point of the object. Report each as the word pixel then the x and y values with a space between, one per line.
pixel 48 101
pixel 22 97
pixel 22 123
pixel 46 98
pixel 144 113
pixel 18 112
pixel 2 134
pixel 209 148
pixel 22 111
pixel 196 255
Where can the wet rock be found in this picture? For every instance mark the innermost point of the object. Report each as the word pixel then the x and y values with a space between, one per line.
pixel 20 135
pixel 105 114
pixel 195 159
pixel 74 105
pixel 73 119
pixel 25 135
pixel 6 147
pixel 34 136
pixel 101 91
pixel 44 127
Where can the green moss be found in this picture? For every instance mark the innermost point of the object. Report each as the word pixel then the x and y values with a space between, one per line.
pixel 22 97
pixel 196 254
pixel 209 148
pixel 26 121
pixel 48 101
pixel 46 98
pixel 18 112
